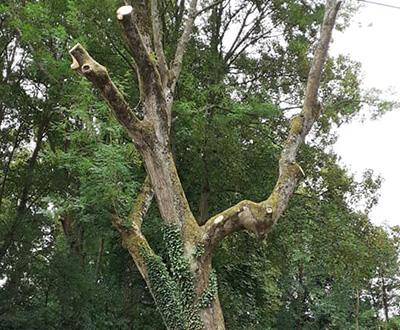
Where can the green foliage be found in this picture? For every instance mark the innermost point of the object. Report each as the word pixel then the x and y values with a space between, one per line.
pixel 174 292
pixel 164 292
pixel 210 293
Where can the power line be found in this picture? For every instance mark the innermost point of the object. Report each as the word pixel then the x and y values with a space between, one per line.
pixel 379 4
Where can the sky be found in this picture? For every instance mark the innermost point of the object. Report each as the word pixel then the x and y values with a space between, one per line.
pixel 372 39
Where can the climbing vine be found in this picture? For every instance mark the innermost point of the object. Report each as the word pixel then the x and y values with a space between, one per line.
pixel 210 293
pixel 173 289
pixel 164 291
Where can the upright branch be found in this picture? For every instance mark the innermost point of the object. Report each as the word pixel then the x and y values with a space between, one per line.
pixel 134 241
pixel 158 46
pixel 142 203
pixel 182 44
pixel 150 85
pixel 260 217
pixel 302 123
pixel 140 16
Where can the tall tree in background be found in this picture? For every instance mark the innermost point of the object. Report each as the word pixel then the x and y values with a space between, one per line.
pixel 187 297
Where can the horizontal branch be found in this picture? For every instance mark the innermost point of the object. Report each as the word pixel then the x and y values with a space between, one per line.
pixel 246 215
pixel 83 63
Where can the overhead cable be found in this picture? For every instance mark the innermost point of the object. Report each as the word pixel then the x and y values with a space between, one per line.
pixel 379 4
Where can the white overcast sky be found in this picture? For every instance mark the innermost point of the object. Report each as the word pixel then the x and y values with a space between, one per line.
pixel 372 39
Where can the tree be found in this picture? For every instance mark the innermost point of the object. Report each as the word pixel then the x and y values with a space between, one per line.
pixel 186 295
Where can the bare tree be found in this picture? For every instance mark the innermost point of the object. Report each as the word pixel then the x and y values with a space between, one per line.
pixel 187 299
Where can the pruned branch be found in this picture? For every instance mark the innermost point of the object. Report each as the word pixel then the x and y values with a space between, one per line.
pixel 259 218
pixel 150 84
pixel 141 19
pixel 141 53
pixel 98 75
pixel 246 215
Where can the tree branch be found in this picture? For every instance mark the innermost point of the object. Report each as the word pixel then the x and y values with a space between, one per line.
pixel 114 46
pixel 182 44
pixel 158 47
pixel 141 53
pixel 134 241
pixel 150 85
pixel 259 218
pixel 98 75
pixel 238 39
pixel 211 6
pixel 142 203
pixel 141 19
pixel 302 123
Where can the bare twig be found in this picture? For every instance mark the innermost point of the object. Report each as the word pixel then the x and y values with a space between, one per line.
pixel 216 3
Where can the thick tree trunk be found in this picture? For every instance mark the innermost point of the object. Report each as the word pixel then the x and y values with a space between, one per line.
pixel 211 315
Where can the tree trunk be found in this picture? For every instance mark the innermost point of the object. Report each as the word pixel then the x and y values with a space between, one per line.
pixel 385 303
pixel 300 299
pixel 211 315
pixel 99 257
pixel 74 235
pixel 8 165
pixel 357 311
